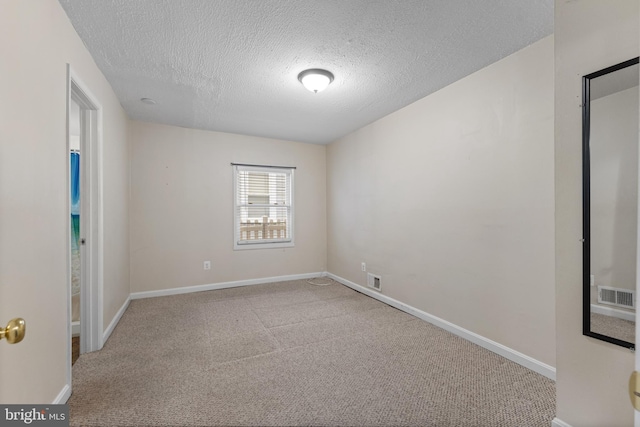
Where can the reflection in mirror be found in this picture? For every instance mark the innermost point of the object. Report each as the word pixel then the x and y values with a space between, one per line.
pixel 610 211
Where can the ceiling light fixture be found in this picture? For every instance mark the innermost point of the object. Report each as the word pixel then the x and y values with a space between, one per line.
pixel 315 79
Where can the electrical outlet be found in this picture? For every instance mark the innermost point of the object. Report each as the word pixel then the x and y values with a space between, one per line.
pixel 364 266
pixel 207 265
pixel 592 280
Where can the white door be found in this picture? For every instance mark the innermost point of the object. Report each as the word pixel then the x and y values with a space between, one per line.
pixel 33 229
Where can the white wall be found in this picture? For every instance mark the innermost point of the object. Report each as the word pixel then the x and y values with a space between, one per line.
pixel 451 200
pixel 614 189
pixel 592 375
pixel 182 207
pixel 36 43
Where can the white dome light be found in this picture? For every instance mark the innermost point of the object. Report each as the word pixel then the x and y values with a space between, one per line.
pixel 315 80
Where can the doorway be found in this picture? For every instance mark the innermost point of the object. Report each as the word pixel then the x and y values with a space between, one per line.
pixel 75 178
pixel 85 236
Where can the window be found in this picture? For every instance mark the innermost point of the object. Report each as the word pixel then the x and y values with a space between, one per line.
pixel 263 211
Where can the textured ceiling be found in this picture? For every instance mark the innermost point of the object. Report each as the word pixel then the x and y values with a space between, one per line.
pixel 232 65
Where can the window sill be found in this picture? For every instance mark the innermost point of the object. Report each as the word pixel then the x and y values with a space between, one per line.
pixel 252 246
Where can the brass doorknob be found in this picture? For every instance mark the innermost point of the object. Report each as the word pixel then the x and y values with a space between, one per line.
pixel 14 332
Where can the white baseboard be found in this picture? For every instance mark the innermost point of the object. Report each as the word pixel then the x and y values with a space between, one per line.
pixel 223 285
pixel 116 319
pixel 608 311
pixel 63 396
pixel 559 423
pixel 504 351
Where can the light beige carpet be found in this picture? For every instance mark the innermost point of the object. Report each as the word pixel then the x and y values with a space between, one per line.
pixel 617 328
pixel 293 354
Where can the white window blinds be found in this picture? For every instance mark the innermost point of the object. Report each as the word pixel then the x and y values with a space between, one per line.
pixel 263 206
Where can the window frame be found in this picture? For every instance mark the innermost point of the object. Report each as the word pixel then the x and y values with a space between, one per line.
pixel 257 244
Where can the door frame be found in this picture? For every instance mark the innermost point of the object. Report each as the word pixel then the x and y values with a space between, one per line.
pixel 636 414
pixel 91 225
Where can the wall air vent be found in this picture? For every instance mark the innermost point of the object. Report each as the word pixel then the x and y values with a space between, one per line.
pixel 616 296
pixel 374 281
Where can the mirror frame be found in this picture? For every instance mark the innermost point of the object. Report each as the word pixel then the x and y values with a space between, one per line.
pixel 586 206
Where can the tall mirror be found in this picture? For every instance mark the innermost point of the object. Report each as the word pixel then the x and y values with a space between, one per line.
pixel 610 202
